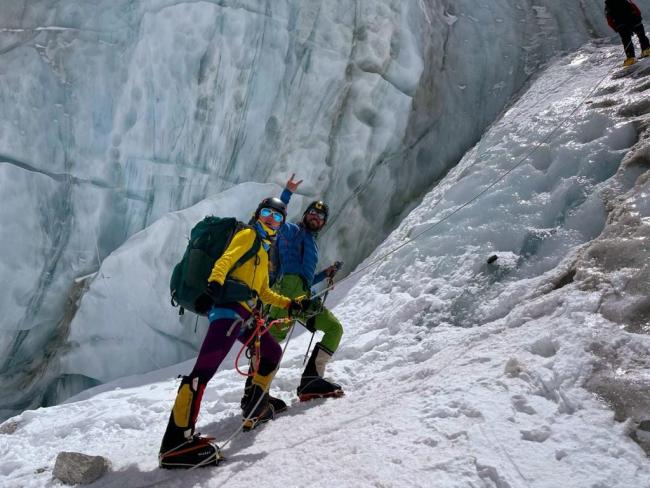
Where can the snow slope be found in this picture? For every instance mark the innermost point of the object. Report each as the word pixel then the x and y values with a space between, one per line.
pixel 115 113
pixel 457 374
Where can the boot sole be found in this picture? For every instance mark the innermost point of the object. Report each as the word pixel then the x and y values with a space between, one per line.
pixel 305 397
pixel 182 458
pixel 280 410
pixel 250 424
pixel 275 412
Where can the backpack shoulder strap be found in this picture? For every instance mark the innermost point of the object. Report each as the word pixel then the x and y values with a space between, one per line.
pixel 257 243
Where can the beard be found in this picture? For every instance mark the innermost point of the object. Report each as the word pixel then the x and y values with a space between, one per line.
pixel 313 226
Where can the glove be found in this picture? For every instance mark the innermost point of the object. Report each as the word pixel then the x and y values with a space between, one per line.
pixel 214 290
pixel 295 307
pixel 302 305
pixel 333 269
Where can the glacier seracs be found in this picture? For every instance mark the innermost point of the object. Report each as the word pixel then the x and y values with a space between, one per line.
pixel 531 395
pixel 116 113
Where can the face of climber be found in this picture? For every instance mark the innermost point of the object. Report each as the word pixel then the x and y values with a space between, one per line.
pixel 271 218
pixel 315 220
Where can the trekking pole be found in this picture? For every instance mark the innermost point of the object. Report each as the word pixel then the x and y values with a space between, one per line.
pixel 304 360
pixel 330 284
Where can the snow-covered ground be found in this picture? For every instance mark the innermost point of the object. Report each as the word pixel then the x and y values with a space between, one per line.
pixel 457 373
pixel 114 113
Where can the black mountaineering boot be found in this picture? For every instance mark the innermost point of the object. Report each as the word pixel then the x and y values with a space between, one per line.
pixel 312 384
pixel 258 409
pixel 180 447
pixel 277 404
pixel 248 389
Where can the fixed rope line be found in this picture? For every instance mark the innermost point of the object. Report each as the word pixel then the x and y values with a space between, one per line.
pixel 409 240
pixel 240 428
pixel 233 436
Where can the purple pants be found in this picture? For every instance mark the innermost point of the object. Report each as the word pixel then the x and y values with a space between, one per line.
pixel 217 344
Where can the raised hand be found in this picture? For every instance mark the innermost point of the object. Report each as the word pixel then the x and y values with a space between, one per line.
pixel 292 185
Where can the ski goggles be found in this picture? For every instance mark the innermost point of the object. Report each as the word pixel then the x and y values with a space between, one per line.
pixel 320 215
pixel 267 212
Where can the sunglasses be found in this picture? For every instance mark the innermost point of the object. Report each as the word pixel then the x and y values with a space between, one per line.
pixel 267 212
pixel 318 214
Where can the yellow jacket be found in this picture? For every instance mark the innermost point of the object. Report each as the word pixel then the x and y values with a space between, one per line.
pixel 254 272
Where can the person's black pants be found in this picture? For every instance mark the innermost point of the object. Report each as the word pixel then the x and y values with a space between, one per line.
pixel 626 38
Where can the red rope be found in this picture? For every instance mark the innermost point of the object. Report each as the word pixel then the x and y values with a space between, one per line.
pixel 259 331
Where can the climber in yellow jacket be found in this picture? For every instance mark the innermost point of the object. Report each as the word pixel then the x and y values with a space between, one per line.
pixel 180 447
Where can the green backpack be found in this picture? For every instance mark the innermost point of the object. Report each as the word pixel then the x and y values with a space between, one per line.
pixel 208 241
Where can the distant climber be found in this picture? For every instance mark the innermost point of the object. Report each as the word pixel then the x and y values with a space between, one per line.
pixel 228 316
pixel 295 273
pixel 625 18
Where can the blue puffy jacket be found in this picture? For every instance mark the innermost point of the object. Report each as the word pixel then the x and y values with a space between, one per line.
pixel 297 251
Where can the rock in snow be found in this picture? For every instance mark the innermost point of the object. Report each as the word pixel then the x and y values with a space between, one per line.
pixel 76 468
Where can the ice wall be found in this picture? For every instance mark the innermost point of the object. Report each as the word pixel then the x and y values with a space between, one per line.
pixel 546 168
pixel 115 113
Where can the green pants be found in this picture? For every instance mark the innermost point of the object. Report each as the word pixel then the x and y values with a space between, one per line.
pixel 292 286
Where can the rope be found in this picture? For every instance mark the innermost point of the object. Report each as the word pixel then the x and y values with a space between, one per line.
pixel 240 428
pixel 259 327
pixel 259 331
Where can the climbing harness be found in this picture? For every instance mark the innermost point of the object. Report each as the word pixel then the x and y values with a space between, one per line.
pixel 261 328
